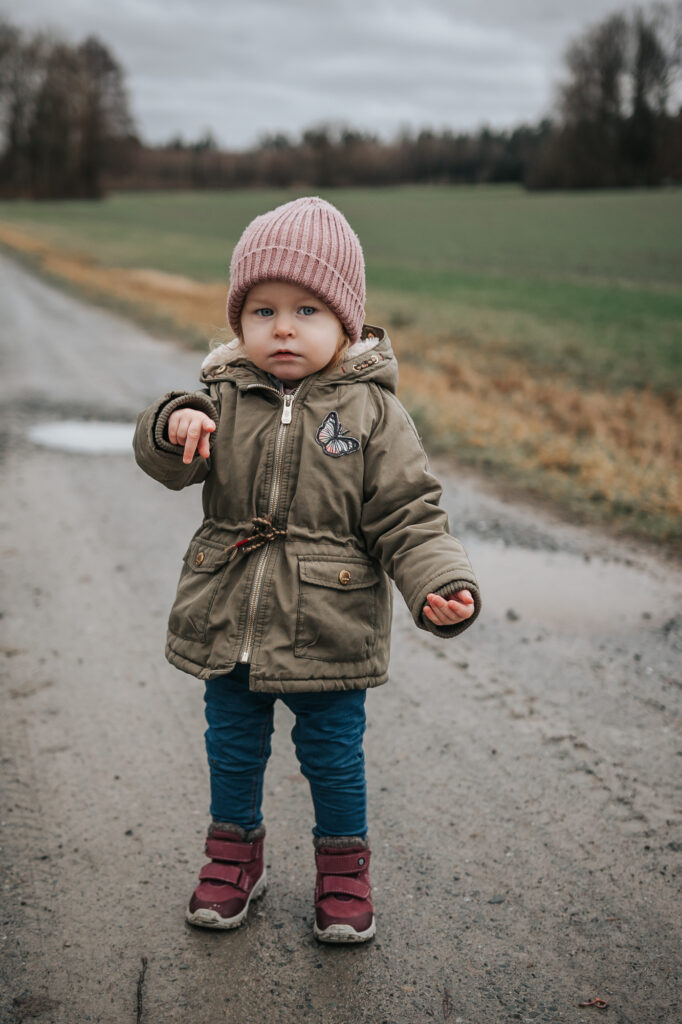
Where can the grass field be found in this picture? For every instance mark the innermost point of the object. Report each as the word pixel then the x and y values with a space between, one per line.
pixel 540 335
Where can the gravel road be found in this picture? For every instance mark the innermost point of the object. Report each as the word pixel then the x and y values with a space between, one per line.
pixel 524 780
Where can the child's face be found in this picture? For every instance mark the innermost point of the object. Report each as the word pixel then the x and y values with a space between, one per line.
pixel 287 331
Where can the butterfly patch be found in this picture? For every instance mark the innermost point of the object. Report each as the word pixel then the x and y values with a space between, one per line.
pixel 333 439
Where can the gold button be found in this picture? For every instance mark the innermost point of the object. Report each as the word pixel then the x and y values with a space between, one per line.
pixel 344 577
pixel 199 559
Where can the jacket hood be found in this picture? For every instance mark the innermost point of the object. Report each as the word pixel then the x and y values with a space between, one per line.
pixel 370 358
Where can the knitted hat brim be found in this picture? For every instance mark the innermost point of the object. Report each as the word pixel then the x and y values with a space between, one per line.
pixel 274 263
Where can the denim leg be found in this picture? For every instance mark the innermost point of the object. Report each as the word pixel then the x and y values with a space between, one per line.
pixel 328 739
pixel 240 724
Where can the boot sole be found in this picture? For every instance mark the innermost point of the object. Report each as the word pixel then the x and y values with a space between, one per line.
pixel 343 933
pixel 211 918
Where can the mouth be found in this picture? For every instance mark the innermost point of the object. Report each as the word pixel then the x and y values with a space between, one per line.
pixel 284 353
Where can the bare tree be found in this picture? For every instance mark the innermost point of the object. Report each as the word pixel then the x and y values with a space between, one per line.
pixel 104 116
pixel 597 66
pixel 615 122
pixel 63 113
pixel 53 134
pixel 21 70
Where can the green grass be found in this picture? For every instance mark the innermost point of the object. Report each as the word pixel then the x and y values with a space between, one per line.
pixel 583 283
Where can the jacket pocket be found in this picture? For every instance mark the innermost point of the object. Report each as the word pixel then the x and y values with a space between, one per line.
pixel 199 583
pixel 337 608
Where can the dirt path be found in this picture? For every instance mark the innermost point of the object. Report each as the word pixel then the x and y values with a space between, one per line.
pixel 524 781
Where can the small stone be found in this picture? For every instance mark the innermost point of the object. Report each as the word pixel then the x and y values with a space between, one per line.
pixel 512 615
pixel 496 899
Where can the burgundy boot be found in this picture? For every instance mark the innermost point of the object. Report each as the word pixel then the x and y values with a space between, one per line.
pixel 235 876
pixel 343 904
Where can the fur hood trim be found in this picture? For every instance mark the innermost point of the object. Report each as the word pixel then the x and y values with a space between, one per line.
pixel 340 842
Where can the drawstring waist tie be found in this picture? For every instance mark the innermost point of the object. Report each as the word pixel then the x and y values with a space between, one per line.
pixel 263 531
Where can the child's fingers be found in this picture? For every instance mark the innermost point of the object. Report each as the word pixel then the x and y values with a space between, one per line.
pixel 461 611
pixel 193 438
pixel 178 425
pixel 180 421
pixel 190 428
pixel 461 602
pixel 204 446
pixel 438 618
pixel 173 429
pixel 446 612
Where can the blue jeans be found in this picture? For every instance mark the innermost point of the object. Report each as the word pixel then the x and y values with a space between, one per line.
pixel 327 737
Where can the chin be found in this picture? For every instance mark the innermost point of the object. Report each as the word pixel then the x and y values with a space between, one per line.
pixel 288 372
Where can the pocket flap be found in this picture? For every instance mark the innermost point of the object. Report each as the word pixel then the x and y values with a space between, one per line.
pixel 201 556
pixel 341 574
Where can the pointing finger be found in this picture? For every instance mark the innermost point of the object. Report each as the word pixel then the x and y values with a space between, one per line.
pixel 193 436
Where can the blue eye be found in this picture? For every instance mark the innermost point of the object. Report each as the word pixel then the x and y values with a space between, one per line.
pixel 307 310
pixel 264 311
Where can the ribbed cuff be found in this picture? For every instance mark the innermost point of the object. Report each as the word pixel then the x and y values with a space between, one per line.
pixel 456 627
pixel 189 400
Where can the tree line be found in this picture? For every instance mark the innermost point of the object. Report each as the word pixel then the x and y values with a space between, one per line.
pixel 67 129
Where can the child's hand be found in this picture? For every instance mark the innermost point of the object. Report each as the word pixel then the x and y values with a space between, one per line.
pixel 191 428
pixel 448 611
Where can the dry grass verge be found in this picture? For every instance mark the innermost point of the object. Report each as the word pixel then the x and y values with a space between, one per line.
pixel 608 457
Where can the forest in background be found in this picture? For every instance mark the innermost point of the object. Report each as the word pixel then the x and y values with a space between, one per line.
pixel 67 131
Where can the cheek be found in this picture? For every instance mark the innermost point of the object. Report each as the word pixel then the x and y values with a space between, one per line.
pixel 336 334
pixel 252 333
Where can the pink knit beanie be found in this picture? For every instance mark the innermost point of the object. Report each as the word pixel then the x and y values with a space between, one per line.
pixel 306 242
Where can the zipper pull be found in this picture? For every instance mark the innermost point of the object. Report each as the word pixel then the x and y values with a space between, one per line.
pixel 286 408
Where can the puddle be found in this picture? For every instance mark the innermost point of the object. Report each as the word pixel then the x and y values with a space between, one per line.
pixel 88 437
pixel 564 592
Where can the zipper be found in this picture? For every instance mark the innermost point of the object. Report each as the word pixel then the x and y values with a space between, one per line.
pixel 273 501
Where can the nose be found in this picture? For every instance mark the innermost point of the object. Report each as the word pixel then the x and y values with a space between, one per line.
pixel 283 326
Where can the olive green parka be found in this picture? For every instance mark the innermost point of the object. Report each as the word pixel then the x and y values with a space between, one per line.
pixel 331 490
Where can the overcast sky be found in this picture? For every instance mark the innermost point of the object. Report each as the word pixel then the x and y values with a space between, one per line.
pixel 245 68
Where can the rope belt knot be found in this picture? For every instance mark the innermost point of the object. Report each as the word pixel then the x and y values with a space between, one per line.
pixel 263 531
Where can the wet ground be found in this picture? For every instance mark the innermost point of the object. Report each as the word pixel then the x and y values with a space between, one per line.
pixel 524 779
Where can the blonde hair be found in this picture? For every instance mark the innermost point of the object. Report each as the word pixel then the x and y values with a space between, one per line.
pixel 342 347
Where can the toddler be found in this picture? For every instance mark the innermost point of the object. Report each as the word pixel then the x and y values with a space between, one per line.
pixel 316 494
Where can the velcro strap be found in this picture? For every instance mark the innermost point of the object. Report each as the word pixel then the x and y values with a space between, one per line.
pixel 342 863
pixel 229 849
pixel 344 887
pixel 217 872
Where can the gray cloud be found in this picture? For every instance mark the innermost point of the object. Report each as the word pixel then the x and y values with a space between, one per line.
pixel 242 69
